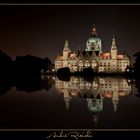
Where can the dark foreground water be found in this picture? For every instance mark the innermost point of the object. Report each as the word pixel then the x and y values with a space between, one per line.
pixel 101 102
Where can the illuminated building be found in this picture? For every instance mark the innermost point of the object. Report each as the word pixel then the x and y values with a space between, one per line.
pixel 93 56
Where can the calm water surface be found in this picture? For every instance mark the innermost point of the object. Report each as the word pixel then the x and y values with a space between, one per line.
pixel 101 102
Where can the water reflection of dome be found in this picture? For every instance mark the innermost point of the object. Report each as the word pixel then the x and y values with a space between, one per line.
pixel 95 105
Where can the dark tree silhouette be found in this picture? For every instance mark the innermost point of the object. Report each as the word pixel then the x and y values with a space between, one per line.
pixel 23 73
pixel 63 71
pixel 88 71
pixel 47 64
pixel 136 65
pixel 30 66
pixel 6 65
pixel 64 74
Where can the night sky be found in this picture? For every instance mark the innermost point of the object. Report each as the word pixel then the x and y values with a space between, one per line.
pixel 41 30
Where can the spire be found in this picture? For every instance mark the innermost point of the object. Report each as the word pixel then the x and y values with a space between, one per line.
pixel 113 47
pixel 67 102
pixel 115 100
pixel 115 103
pixel 66 46
pixel 67 98
pixel 94 33
pixel 95 119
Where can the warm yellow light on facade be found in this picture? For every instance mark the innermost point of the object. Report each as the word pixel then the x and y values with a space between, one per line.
pixel 120 56
pixel 106 54
pixel 122 94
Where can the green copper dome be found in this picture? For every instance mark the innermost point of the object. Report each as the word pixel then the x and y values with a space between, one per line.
pixel 94 42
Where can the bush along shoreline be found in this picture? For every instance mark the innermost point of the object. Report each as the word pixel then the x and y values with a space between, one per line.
pixel 88 72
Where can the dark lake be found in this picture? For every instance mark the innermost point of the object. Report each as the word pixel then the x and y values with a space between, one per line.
pixel 99 102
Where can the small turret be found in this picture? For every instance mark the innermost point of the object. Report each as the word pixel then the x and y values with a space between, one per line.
pixel 94 33
pixel 113 47
pixel 66 46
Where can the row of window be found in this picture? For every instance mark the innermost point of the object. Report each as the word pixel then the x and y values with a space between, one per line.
pixel 107 69
pixel 105 58
pixel 104 63
pixel 101 63
pixel 120 66
pixel 125 62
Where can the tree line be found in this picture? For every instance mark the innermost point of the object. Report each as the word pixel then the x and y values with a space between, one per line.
pixel 23 66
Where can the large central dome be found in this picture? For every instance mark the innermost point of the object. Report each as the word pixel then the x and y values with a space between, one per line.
pixel 94 42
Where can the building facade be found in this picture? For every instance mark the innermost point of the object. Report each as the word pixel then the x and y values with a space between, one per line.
pixel 93 56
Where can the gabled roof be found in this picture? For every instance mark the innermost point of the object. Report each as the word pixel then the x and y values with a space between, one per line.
pixel 87 54
pixel 93 55
pixel 80 55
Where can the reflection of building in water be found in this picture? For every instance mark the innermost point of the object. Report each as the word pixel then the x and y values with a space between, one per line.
pixel 95 92
pixel 113 88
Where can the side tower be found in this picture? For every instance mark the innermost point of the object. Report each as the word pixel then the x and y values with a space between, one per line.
pixel 66 52
pixel 113 54
pixel 113 50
